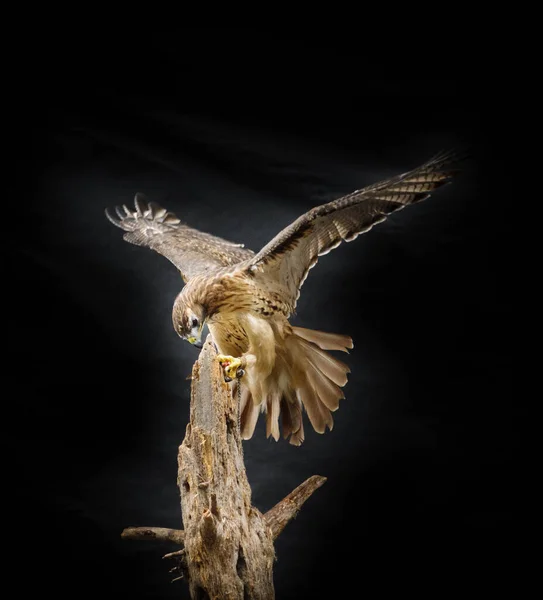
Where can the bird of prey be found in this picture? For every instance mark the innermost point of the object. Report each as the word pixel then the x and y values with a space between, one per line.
pixel 246 298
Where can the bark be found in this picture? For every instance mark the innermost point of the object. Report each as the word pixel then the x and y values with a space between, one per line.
pixel 278 516
pixel 227 544
pixel 157 534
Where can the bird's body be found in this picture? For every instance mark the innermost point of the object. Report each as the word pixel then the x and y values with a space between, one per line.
pixel 246 299
pixel 284 368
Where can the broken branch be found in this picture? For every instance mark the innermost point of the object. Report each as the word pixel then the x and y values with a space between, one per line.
pixel 159 534
pixel 284 511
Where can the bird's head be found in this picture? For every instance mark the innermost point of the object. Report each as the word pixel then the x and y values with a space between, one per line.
pixel 188 320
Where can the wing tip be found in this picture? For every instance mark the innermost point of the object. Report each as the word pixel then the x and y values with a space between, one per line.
pixel 450 156
pixel 151 211
pixel 112 219
pixel 140 202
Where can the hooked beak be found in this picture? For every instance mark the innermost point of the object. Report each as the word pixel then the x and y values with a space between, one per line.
pixel 195 342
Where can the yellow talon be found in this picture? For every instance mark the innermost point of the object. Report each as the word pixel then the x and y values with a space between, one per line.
pixel 230 365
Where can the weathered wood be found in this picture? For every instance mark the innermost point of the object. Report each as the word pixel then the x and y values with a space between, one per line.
pixel 281 514
pixel 227 544
pixel 157 534
pixel 229 547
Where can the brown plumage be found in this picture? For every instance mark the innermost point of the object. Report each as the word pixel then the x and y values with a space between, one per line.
pixel 246 298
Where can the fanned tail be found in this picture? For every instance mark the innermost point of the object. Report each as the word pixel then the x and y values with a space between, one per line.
pixel 305 377
pixel 318 376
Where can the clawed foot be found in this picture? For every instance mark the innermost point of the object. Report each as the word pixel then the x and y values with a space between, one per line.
pixel 232 367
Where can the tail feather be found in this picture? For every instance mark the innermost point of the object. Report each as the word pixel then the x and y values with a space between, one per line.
pixel 273 407
pixel 324 340
pixel 331 367
pixel 249 414
pixel 304 377
pixel 329 393
pixel 291 420
pixel 313 406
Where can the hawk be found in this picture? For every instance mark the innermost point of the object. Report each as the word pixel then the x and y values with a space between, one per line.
pixel 246 298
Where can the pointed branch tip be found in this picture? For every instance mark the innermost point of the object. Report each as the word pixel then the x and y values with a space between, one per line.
pixel 158 534
pixel 176 554
pixel 284 511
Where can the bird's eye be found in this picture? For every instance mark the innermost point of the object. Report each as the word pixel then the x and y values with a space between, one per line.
pixel 195 322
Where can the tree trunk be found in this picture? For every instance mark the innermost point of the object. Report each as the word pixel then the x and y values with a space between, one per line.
pixel 227 543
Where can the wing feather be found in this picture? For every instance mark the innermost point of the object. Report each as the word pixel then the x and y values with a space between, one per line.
pixel 283 264
pixel 191 251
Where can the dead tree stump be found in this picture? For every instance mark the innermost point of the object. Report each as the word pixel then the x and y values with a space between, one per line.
pixel 227 544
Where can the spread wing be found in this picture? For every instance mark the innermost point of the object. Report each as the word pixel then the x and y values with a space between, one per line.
pixel 283 264
pixel 193 252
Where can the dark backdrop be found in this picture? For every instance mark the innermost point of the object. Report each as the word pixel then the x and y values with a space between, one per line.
pixel 239 140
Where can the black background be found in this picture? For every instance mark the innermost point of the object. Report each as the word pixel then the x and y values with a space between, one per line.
pixel 239 133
